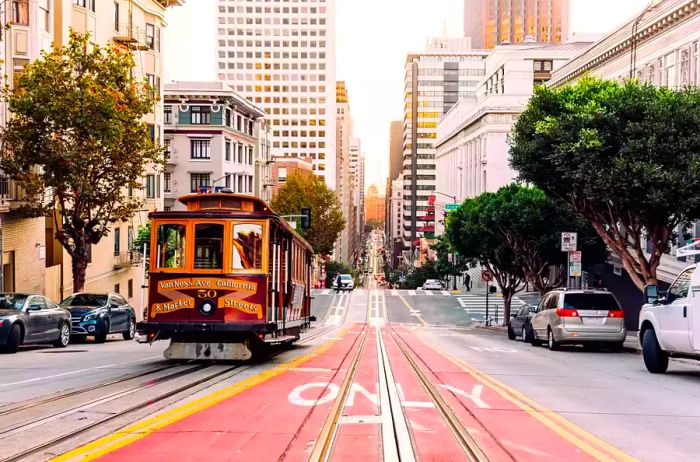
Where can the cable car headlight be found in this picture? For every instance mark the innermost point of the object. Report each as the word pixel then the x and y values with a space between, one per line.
pixel 207 307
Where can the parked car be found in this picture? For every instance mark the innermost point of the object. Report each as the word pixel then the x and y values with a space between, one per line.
pixel 346 283
pixel 669 322
pixel 578 316
pixel 519 323
pixel 99 315
pixel 27 319
pixel 433 284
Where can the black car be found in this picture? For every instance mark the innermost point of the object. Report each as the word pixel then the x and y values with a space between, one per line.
pixel 519 324
pixel 26 319
pixel 98 315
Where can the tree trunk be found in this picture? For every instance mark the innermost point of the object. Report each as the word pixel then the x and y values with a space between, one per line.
pixel 79 266
pixel 507 297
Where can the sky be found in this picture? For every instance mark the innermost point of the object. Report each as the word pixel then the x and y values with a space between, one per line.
pixel 373 39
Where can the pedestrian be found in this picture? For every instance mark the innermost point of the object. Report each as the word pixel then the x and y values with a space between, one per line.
pixel 337 284
pixel 467 281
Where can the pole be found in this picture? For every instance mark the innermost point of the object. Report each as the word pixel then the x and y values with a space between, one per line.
pixel 487 304
pixel 568 270
pixel 454 271
pixel 143 278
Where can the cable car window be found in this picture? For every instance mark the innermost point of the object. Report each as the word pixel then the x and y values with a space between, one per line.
pixel 171 246
pixel 208 246
pixel 247 246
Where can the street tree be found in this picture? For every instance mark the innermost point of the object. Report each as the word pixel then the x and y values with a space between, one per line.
pixel 305 190
pixel 624 156
pixel 77 142
pixel 445 268
pixel 470 232
pixel 530 224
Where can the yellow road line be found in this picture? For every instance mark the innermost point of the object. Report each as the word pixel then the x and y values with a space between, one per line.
pixel 420 318
pixel 139 430
pixel 589 443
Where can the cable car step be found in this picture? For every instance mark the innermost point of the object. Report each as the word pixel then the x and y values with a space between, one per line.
pixel 282 339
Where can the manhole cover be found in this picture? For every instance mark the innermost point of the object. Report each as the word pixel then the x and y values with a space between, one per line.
pixel 65 351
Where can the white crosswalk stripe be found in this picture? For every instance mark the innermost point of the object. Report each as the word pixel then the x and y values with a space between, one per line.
pixel 427 292
pixel 475 306
pixel 445 292
pixel 403 293
pixel 411 292
pixel 395 293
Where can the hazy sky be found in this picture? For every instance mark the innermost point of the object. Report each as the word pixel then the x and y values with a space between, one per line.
pixel 373 39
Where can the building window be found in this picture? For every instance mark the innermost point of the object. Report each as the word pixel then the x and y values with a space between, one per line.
pixel 250 184
pixel 20 12
pixel 201 115
pixel 168 114
pixel 166 181
pixel 198 180
pixel 228 150
pixel 150 36
pixel 117 240
pixel 86 4
pixel 240 154
pixel 116 288
pixel 130 288
pixel 150 186
pixel 200 149
pixel 129 238
pixel 116 15
pixel 45 14
pixel 282 175
pixel 166 143
pixel 542 65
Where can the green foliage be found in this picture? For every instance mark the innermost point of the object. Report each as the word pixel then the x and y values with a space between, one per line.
pixel 307 190
pixel 471 233
pixel 334 268
pixel 444 267
pixel 77 130
pixel 143 236
pixel 531 225
pixel 624 156
pixel 417 276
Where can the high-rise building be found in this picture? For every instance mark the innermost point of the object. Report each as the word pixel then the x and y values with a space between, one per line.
pixel 435 81
pixel 281 56
pixel 357 179
pixel 211 140
pixel 492 22
pixel 374 205
pixel 395 149
pixel 344 186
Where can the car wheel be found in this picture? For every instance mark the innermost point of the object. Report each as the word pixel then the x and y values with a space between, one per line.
pixel 655 359
pixel 551 341
pixel 511 334
pixel 533 338
pixel 63 336
pixel 523 334
pixel 131 333
pixel 101 335
pixel 13 340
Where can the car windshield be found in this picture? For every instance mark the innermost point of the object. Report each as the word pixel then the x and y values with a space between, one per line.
pixel 590 302
pixel 345 277
pixel 85 300
pixel 12 301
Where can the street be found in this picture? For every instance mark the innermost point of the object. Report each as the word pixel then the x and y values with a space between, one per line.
pixel 606 398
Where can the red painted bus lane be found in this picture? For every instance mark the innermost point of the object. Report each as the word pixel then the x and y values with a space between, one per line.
pixel 498 420
pixel 261 423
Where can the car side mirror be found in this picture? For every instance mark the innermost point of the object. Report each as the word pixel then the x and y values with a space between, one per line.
pixel 651 294
pixel 34 308
pixel 532 309
pixel 513 315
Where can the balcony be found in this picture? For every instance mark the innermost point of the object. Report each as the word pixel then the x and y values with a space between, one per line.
pixel 127 259
pixel 12 194
pixel 132 37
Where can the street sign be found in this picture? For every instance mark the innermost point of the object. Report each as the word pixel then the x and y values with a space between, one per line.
pixel 486 276
pixel 569 242
pixel 574 264
pixel 450 207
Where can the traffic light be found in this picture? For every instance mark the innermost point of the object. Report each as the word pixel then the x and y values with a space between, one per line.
pixel 305 218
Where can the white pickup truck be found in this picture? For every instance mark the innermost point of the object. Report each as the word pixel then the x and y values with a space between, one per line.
pixel 669 323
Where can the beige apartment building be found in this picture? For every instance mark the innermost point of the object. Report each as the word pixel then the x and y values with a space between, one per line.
pixel 215 138
pixel 32 259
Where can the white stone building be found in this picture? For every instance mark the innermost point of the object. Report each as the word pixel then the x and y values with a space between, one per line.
pixel 472 139
pixel 212 136
pixel 281 56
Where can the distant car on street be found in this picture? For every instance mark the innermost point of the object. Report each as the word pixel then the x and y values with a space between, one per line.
pixel 99 315
pixel 579 316
pixel 346 283
pixel 519 324
pixel 433 284
pixel 30 319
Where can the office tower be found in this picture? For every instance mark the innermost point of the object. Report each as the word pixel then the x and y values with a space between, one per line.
pixel 281 56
